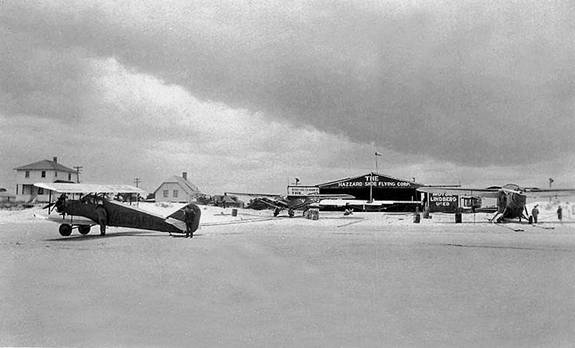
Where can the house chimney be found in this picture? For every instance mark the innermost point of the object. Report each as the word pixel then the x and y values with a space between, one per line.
pixel 185 175
pixel 55 159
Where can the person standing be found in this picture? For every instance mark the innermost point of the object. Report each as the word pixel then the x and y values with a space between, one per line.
pixel 560 213
pixel 102 217
pixel 535 213
pixel 189 220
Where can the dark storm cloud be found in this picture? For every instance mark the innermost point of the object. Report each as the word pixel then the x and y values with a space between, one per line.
pixel 474 83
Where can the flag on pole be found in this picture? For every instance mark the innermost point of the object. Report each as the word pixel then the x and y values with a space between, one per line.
pixel 378 154
pixel 296 181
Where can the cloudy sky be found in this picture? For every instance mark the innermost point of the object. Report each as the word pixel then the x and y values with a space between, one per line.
pixel 247 95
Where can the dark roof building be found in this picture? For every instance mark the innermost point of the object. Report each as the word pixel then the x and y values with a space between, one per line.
pixel 46 165
pixel 376 187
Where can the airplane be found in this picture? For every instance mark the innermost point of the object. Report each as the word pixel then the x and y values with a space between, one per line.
pixel 95 207
pixel 290 202
pixel 511 198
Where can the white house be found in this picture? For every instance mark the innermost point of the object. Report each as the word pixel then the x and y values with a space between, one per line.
pixel 177 189
pixel 45 171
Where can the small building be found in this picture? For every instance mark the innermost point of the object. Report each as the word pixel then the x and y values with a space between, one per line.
pixel 44 171
pixel 177 189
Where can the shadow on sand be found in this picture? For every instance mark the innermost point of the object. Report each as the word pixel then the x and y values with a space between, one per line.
pixel 184 236
pixel 95 236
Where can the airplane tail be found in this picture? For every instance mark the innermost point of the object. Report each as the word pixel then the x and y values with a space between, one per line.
pixel 178 218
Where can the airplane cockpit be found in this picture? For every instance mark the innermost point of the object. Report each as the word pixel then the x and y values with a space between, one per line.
pixel 92 199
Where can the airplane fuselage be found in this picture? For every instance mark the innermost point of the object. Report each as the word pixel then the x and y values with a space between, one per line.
pixel 511 204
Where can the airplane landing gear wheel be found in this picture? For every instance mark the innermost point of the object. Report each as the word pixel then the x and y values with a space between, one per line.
pixel 84 229
pixel 65 230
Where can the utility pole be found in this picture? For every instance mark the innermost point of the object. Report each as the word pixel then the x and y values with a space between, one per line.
pixel 137 181
pixel 78 170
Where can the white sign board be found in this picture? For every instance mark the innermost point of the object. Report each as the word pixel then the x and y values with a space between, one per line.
pixel 302 190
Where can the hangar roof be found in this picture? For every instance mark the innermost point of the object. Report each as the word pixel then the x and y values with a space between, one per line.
pixel 413 183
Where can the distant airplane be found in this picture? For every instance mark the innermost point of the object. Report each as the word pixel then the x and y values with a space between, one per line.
pixel 511 198
pixel 291 202
pixel 95 207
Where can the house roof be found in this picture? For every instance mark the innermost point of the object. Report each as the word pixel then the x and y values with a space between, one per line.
pixel 187 186
pixel 46 165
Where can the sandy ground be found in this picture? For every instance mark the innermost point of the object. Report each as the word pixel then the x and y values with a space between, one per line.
pixel 371 279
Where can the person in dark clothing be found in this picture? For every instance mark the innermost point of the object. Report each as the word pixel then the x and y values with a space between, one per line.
pixel 189 220
pixel 560 213
pixel 102 215
pixel 60 202
pixel 535 213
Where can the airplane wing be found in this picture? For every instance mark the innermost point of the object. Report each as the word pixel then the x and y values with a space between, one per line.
pixel 267 195
pixel 492 192
pixel 273 204
pixel 89 188
pixel 536 192
pixel 477 192
pixel 359 202
pixel 306 202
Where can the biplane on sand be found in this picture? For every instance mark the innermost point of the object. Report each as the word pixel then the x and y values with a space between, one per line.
pixel 81 206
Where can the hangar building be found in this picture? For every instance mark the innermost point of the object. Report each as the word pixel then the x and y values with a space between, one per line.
pixel 376 187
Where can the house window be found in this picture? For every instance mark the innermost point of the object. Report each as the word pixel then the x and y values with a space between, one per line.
pixel 27 174
pixel 175 194
pixel 166 192
pixel 56 174
pixel 43 173
pixel 69 177
pixel 27 189
pixel 40 191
